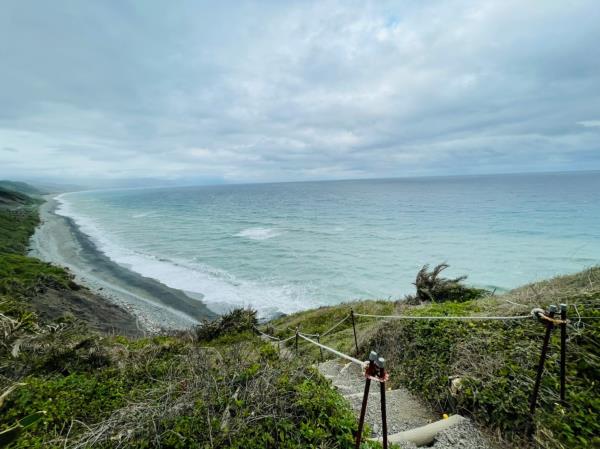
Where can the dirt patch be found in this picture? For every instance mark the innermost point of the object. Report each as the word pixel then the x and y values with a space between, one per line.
pixel 98 313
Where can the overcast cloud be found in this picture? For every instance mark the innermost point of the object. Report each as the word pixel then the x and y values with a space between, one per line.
pixel 275 91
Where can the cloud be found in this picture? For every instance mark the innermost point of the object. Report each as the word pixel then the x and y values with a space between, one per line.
pixel 270 91
pixel 590 123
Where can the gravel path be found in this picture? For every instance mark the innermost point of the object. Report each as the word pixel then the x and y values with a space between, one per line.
pixel 404 411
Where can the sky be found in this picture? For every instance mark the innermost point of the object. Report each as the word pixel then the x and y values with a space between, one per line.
pixel 113 92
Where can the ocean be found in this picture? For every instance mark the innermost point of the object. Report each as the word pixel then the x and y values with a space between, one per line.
pixel 285 247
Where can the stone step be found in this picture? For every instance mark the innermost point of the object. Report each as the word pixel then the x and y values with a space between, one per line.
pixel 404 412
pixel 345 389
pixel 407 418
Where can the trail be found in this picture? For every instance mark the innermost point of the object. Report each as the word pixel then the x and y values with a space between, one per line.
pixel 404 411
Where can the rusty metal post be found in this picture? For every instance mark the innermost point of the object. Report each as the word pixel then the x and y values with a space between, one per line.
pixel 563 352
pixel 540 370
pixel 354 330
pixel 363 408
pixel 381 365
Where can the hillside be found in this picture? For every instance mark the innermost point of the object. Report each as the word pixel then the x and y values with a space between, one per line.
pixel 484 369
pixel 220 385
pixel 14 199
pixel 20 187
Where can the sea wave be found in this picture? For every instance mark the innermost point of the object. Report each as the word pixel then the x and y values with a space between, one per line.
pixel 150 213
pixel 218 289
pixel 259 233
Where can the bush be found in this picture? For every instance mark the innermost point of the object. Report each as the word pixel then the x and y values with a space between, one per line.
pixel 165 393
pixel 486 370
pixel 234 322
pixel 16 226
pixel 431 287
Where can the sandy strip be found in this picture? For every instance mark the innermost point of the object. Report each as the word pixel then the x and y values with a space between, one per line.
pixel 58 240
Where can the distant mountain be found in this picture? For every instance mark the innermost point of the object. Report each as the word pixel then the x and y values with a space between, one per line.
pixel 12 198
pixel 21 187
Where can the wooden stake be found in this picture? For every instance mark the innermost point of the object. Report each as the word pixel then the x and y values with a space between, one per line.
pixel 354 329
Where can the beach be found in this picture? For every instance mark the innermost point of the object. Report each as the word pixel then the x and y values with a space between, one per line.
pixel 58 240
pixel 283 248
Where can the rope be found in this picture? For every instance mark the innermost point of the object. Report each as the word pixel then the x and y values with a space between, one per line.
pixel 514 303
pixel 467 318
pixel 327 332
pixel 310 335
pixel 266 335
pixel 552 320
pixel 333 351
pixel 272 337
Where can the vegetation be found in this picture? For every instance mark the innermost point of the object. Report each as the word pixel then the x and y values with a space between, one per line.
pixel 236 321
pixel 486 369
pixel 216 386
pixel 18 219
pixel 20 187
pixel 431 287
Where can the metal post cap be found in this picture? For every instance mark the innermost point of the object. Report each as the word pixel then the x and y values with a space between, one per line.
pixel 373 356
pixel 563 307
pixel 380 362
pixel 552 308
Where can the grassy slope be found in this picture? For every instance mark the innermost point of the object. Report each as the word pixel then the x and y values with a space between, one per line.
pixel 495 361
pixel 20 187
pixel 172 391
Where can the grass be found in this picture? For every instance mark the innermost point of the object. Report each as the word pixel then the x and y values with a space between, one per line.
pixel 24 276
pixel 16 226
pixel 168 392
pixel 485 369
pixel 218 386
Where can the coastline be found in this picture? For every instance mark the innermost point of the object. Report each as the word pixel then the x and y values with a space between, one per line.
pixel 59 240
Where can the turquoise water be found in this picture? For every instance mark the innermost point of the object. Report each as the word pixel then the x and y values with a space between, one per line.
pixel 286 247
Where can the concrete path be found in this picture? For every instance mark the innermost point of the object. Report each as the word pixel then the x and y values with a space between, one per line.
pixel 404 411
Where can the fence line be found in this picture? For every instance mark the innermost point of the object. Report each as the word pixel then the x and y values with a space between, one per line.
pixel 466 318
pixel 547 318
pixel 327 332
pixel 272 337
pixel 535 313
pixel 307 336
pixel 333 351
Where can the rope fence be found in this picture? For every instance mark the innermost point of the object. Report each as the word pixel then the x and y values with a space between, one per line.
pixel 333 351
pixel 547 318
pixel 464 318
pixel 272 337
pixel 335 326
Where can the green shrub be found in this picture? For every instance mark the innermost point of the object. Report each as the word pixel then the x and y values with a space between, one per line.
pixel 493 365
pixel 25 276
pixel 431 287
pixel 234 322
pixel 16 226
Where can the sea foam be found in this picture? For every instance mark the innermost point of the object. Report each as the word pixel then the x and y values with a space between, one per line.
pixel 218 289
pixel 259 233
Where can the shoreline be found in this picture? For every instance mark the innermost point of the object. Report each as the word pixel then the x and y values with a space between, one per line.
pixel 59 240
